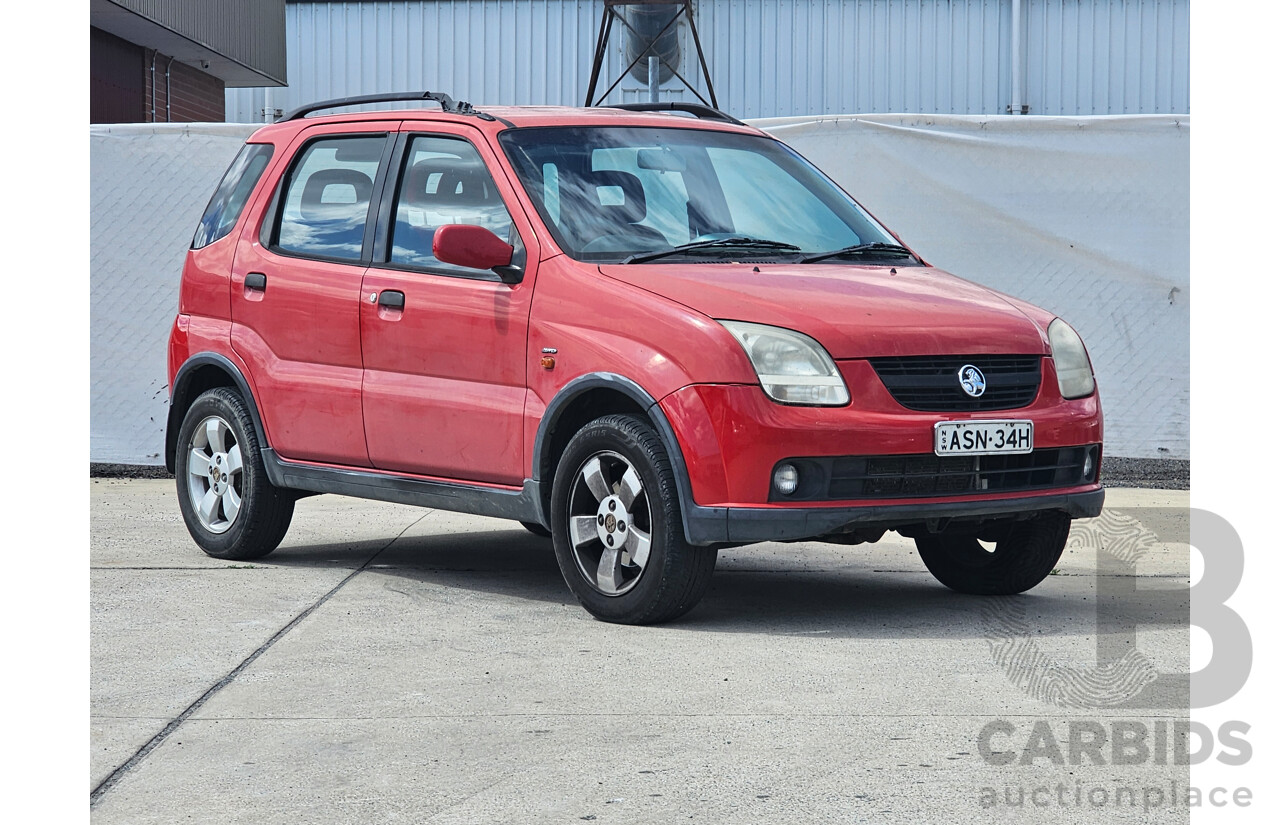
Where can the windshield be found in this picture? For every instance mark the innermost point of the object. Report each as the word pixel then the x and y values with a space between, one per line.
pixel 618 195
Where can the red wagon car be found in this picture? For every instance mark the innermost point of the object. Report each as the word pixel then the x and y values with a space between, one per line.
pixel 650 331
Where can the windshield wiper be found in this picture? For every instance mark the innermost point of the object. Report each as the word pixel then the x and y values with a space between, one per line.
pixel 859 249
pixel 742 242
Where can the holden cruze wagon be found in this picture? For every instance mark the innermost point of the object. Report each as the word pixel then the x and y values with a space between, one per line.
pixel 647 331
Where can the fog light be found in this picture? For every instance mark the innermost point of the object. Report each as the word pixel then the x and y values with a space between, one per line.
pixel 785 479
pixel 1088 463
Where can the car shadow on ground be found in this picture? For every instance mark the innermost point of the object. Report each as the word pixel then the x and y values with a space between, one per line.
pixel 858 601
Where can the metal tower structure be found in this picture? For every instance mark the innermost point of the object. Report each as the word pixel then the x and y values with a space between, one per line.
pixel 651 32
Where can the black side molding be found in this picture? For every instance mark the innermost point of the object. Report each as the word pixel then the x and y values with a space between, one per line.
pixel 520 505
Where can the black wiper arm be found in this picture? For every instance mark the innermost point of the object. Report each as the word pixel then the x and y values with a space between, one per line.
pixel 743 242
pixel 859 249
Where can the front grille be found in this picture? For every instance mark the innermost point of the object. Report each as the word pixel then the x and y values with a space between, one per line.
pixel 920 476
pixel 932 384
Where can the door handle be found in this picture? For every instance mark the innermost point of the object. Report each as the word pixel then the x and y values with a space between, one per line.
pixel 391 299
pixel 256 280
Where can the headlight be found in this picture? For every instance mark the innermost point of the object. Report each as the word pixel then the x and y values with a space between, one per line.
pixel 792 367
pixel 1075 376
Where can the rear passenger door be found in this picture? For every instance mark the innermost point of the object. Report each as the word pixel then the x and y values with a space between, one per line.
pixel 295 292
pixel 445 346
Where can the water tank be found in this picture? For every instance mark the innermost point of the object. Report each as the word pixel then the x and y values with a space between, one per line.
pixel 647 20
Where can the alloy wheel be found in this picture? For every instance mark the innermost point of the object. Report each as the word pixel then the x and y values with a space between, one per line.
pixel 215 470
pixel 609 523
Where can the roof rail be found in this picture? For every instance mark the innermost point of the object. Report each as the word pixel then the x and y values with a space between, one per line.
pixel 448 104
pixel 695 109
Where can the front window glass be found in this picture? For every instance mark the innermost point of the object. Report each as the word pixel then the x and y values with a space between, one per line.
pixel 326 206
pixel 444 181
pixel 609 194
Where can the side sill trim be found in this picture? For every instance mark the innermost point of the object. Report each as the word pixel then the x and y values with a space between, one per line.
pixel 744 525
pixel 522 505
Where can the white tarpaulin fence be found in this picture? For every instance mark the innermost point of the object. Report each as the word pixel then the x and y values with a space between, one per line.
pixel 1087 217
pixel 148 186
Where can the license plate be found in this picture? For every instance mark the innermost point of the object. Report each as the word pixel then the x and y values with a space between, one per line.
pixel 982 437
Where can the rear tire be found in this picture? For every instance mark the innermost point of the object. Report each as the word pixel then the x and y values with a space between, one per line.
pixel 1022 557
pixel 230 507
pixel 616 526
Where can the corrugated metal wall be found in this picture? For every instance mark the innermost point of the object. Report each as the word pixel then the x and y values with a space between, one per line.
pixel 803 57
pixel 1106 57
pixel 247 31
pixel 788 57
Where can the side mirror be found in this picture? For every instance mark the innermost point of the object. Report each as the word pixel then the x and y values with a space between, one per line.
pixel 475 247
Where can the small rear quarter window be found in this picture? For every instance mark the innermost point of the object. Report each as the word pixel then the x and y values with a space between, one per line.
pixel 232 194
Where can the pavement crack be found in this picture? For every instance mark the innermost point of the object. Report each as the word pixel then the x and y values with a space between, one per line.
pixel 437 814
pixel 95 796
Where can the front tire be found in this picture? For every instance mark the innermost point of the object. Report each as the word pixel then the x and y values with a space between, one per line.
pixel 616 526
pixel 230 507
pixel 1022 557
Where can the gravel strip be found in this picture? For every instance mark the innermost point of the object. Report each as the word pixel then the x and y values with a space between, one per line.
pixel 1159 473
pixel 127 471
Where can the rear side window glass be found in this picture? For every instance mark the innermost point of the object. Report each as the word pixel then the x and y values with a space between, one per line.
pixel 326 206
pixel 232 193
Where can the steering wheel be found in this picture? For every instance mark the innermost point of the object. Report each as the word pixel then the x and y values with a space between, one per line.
pixel 624 242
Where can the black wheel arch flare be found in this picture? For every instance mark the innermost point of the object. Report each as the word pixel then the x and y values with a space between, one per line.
pixel 574 390
pixel 186 389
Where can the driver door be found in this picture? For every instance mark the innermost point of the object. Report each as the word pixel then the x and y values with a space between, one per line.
pixel 445 347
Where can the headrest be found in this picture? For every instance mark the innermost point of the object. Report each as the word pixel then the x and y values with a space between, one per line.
pixel 611 186
pixel 336 194
pixel 448 182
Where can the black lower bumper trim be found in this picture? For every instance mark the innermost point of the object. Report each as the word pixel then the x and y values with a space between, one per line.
pixel 712 525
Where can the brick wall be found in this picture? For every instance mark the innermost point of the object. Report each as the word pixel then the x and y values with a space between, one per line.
pixel 193 95
pixel 115 79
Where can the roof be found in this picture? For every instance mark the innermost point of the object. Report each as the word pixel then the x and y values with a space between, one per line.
pixel 501 118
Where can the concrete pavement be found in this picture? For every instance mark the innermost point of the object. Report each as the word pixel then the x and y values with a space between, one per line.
pixel 393 664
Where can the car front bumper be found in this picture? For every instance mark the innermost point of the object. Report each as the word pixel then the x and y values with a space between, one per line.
pixel 744 525
pixel 732 437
